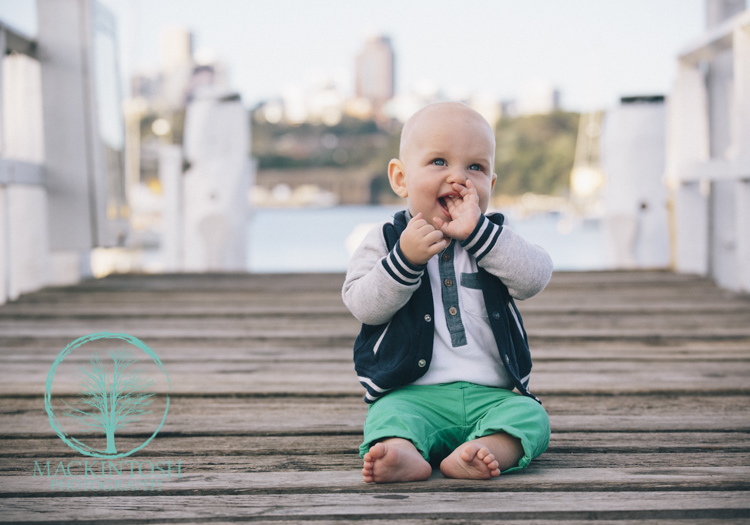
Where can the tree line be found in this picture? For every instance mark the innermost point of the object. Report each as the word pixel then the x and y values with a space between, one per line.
pixel 535 153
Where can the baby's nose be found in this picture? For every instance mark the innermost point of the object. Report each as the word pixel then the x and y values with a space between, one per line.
pixel 457 176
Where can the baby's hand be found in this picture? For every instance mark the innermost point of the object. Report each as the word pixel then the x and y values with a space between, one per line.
pixel 465 213
pixel 420 241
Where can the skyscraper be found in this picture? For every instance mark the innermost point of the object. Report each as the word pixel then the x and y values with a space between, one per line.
pixel 375 73
pixel 177 65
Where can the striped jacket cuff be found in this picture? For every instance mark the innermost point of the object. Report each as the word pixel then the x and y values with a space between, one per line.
pixel 400 269
pixel 482 239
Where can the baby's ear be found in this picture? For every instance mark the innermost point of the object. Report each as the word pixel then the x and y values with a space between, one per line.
pixel 397 177
pixel 494 180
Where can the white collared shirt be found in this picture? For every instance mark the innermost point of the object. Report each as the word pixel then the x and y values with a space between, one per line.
pixel 472 355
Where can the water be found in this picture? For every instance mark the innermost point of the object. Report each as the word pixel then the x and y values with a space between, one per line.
pixel 315 239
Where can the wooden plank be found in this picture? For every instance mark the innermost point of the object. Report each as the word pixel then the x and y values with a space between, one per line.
pixel 514 505
pixel 239 301
pixel 191 306
pixel 622 327
pixel 37 350
pixel 647 392
pixel 304 461
pixel 271 422
pixel 338 378
pixel 188 415
pixel 597 321
pixel 203 480
pixel 601 444
pixel 345 408
pixel 346 331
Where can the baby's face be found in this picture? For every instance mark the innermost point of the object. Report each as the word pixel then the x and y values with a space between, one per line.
pixel 449 144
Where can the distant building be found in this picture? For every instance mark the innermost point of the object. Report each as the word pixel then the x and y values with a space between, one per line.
pixel 708 159
pixel 538 99
pixel 374 77
pixel 177 65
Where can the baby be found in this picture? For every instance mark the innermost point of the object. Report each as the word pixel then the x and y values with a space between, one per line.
pixel 442 345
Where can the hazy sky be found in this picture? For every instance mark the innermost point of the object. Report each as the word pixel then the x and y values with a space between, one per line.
pixel 594 51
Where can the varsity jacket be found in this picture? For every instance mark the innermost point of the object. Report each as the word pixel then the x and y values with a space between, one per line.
pixel 393 300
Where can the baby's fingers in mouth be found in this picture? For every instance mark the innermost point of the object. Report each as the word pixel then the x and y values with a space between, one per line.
pixel 454 200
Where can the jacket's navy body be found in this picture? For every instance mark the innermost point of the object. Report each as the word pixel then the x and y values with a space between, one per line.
pixel 399 352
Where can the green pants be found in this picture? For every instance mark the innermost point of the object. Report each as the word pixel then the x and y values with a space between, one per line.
pixel 439 418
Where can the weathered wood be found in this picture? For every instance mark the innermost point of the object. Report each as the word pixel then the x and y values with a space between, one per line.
pixel 245 415
pixel 194 306
pixel 515 505
pixel 316 320
pixel 648 393
pixel 297 475
pixel 301 461
pixel 250 444
pixel 216 377
pixel 37 350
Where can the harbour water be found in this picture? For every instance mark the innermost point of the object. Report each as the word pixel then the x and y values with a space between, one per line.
pixel 320 239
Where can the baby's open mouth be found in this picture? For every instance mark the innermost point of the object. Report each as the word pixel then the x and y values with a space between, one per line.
pixel 443 201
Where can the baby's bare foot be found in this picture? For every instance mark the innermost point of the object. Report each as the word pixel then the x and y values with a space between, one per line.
pixel 470 461
pixel 394 460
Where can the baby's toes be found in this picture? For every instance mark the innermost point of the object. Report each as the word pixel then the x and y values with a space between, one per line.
pixel 469 452
pixel 484 453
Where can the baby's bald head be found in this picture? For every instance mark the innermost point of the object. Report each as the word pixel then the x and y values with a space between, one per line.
pixel 441 115
pixel 444 146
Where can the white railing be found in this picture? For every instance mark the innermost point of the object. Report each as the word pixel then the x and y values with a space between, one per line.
pixel 708 155
pixel 24 254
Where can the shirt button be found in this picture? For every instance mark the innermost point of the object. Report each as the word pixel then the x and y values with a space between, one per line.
pixel 448 282
pixel 428 318
pixel 507 359
pixel 422 363
pixel 452 310
pixel 446 257
pixel 496 315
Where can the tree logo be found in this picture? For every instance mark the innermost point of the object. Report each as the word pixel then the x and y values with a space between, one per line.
pixel 107 395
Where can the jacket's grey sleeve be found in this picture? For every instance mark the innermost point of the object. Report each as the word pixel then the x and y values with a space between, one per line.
pixel 378 282
pixel 523 267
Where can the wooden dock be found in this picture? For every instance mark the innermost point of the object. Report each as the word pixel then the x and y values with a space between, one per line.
pixel 645 376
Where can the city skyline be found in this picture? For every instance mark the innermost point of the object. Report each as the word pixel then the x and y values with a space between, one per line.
pixel 593 52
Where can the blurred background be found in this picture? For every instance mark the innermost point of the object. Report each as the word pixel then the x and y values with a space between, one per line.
pixel 231 135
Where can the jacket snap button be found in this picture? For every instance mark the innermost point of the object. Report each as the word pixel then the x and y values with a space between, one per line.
pixel 446 257
pixel 452 310
pixel 422 363
pixel 428 318
pixel 448 282
pixel 496 315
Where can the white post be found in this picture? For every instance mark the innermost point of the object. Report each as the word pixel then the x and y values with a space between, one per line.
pixel 4 248
pixel 215 206
pixel 170 175
pixel 741 134
pixel 740 117
pixel 691 218
pixel 743 234
pixel 2 102
pixel 687 145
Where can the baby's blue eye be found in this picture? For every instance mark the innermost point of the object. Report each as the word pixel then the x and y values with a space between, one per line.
pixel 475 167
pixel 439 162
